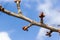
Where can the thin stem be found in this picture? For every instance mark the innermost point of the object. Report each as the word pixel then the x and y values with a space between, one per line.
pixel 29 25
pixel 18 6
pixel 29 20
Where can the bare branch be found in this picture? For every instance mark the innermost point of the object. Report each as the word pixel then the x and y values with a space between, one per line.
pixel 29 20
pixel 15 15
pixel 40 24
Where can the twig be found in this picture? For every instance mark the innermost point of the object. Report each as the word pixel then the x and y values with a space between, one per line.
pixel 28 19
pixel 18 6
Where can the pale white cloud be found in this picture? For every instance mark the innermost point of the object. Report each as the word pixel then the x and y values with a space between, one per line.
pixel 6 0
pixel 41 34
pixel 4 36
pixel 52 16
pixel 27 5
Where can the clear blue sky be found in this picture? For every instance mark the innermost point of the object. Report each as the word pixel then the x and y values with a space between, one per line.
pixel 30 8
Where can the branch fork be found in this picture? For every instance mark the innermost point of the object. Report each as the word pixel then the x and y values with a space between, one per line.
pixel 32 22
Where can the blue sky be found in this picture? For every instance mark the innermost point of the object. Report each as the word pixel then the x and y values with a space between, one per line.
pixel 11 27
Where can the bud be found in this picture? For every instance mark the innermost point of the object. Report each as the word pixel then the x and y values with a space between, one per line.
pixel 42 15
pixel 25 28
pixel 17 1
pixel 48 34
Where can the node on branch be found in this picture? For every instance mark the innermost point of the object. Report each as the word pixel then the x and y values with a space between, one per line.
pixel 49 33
pixel 42 16
pixel 32 22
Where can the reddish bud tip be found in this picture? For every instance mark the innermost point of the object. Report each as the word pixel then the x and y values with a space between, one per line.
pixel 25 28
pixel 42 15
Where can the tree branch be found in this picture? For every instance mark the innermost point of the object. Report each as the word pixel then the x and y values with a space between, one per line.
pixel 29 20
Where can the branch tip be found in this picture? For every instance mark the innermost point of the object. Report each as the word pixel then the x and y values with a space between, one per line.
pixel 49 33
pixel 25 28
pixel 42 16
pixel 18 6
pixel 17 1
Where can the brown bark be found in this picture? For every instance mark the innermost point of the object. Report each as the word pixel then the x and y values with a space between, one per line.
pixel 28 19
